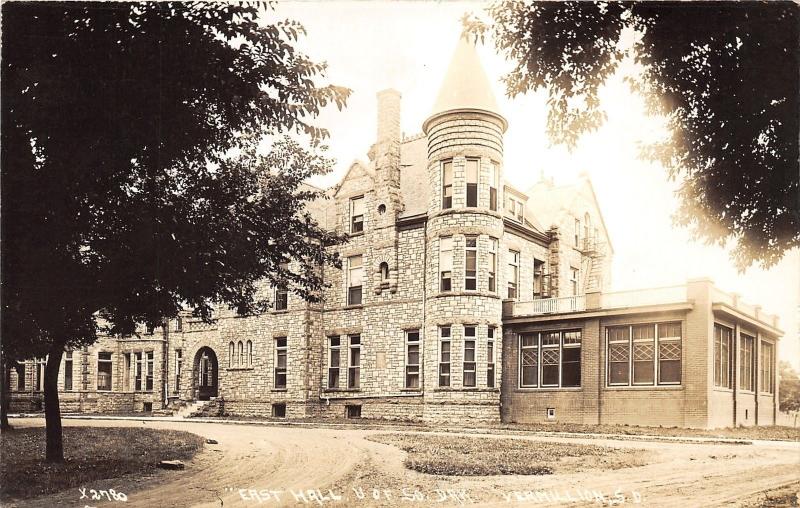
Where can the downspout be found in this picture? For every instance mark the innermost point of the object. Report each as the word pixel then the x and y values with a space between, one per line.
pixel 600 369
pixel 424 308
pixel 165 364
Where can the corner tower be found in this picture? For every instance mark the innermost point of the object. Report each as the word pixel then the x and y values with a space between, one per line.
pixel 463 335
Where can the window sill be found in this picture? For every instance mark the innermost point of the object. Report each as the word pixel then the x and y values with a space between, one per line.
pixel 279 390
pixel 643 387
pixel 239 368
pixel 411 390
pixel 469 389
pixel 722 389
pixel 353 235
pixel 536 389
pixel 357 306
pixel 342 390
pixel 279 311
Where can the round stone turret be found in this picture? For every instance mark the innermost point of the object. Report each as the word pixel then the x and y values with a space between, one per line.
pixel 465 225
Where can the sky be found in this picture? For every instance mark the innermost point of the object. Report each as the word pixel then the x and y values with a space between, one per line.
pixel 371 46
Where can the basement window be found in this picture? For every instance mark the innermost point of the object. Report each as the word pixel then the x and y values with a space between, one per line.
pixel 279 410
pixel 353 411
pixel 551 413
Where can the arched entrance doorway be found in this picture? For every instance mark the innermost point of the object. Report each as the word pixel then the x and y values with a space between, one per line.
pixel 206 366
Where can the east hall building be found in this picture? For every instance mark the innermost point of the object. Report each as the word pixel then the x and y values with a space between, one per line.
pixel 461 298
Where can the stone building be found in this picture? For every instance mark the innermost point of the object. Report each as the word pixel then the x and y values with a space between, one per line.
pixel 460 297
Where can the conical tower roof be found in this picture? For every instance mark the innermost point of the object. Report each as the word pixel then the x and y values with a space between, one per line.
pixel 466 86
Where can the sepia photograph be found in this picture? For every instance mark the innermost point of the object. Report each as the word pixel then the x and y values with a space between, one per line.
pixel 428 253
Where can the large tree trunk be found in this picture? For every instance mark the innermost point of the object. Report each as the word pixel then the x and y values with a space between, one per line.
pixel 52 412
pixel 5 392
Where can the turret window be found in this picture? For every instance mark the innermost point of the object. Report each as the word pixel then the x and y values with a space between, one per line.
pixel 471 263
pixel 447 184
pixel 493 264
pixel 472 182
pixel 494 183
pixel 445 263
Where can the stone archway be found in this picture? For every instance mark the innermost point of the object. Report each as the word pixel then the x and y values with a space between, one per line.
pixel 206 368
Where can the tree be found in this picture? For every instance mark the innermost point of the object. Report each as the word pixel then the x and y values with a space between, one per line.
pixel 789 391
pixel 724 75
pixel 123 199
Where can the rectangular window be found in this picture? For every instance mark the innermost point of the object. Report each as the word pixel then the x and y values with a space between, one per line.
pixel 669 353
pixel 20 368
pixel 516 208
pixel 472 182
pixel 571 359
pixel 471 263
pixel 138 370
pixel 334 361
pixel 178 368
pixel 619 350
pixel 490 357
pixel 513 273
pixel 149 377
pixel 179 324
pixel 767 367
pixel 68 370
pixel 493 265
pixel 281 348
pixel 529 360
pixel 355 279
pixel 746 362
pixel 126 381
pixel 577 232
pixel 494 184
pixel 470 378
pixel 412 359
pixel 444 356
pixel 357 215
pixel 538 279
pixel 573 280
pixel 641 354
pixel 551 358
pixel 354 366
pixel 447 184
pixel 445 263
pixel 40 367
pixel 104 371
pixel 644 353
pixel 281 294
pixel 723 340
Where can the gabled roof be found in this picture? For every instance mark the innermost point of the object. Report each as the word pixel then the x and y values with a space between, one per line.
pixel 549 203
pixel 466 85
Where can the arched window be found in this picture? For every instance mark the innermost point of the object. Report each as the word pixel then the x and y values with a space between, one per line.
pixel 241 354
pixel 249 353
pixel 230 354
pixel 384 270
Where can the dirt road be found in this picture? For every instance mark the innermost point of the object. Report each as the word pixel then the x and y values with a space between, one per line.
pixel 288 466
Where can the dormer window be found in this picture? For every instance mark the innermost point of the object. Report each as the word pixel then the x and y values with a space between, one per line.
pixel 357 215
pixel 447 184
pixel 472 182
pixel 516 208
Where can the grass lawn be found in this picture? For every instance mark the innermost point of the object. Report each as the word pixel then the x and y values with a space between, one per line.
pixel 767 432
pixel 90 453
pixel 480 456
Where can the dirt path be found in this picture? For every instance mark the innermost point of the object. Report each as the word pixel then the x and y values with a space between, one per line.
pixel 305 465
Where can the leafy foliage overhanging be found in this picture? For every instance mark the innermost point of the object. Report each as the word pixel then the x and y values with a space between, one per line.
pixel 120 200
pixel 724 74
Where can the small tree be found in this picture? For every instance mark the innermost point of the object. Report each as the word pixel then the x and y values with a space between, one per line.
pixel 724 74
pixel 120 200
pixel 789 391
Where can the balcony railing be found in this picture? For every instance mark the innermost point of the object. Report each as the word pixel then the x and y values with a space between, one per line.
pixel 550 306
